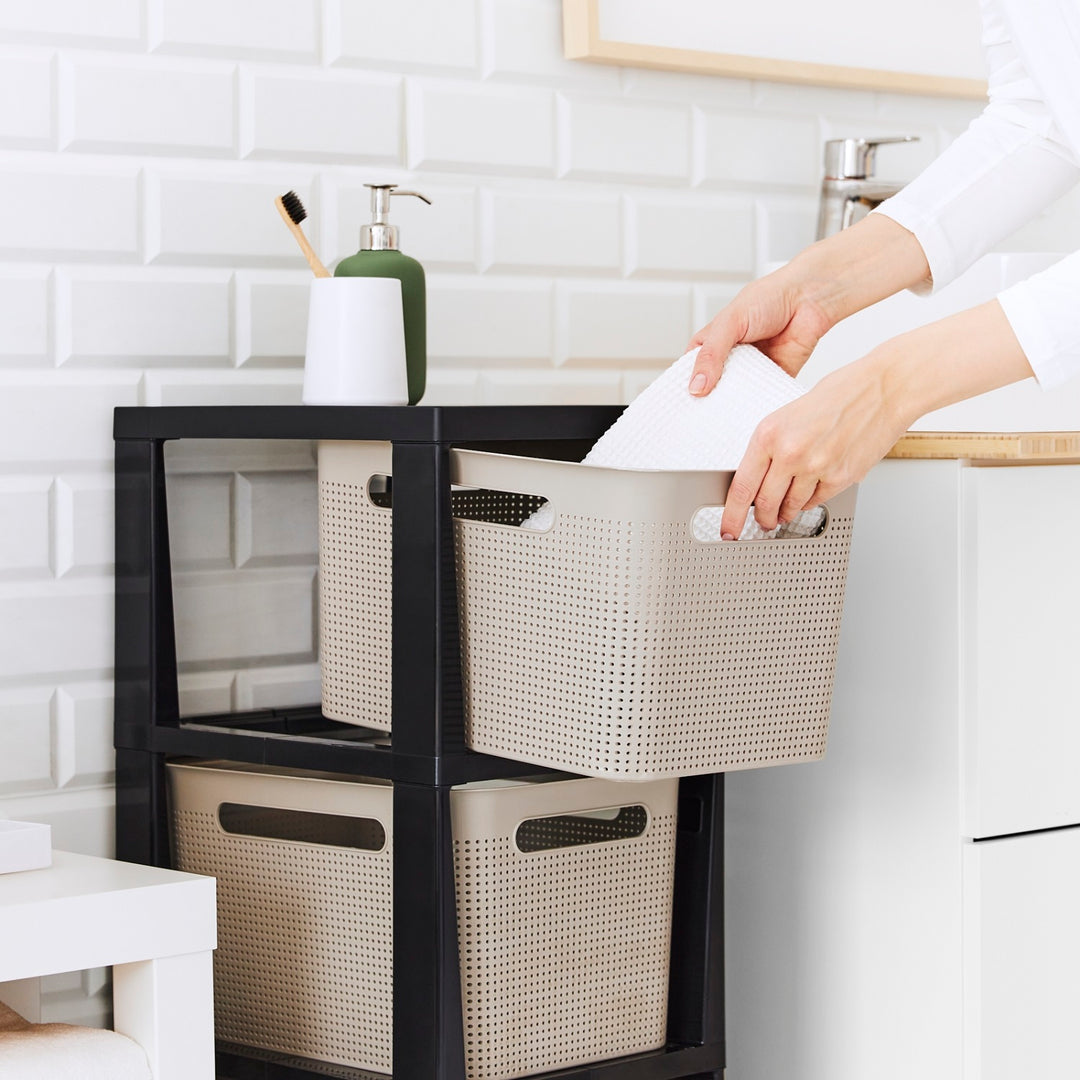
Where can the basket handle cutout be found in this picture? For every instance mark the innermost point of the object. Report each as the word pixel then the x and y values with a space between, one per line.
pixel 302 826
pixel 705 526
pixel 584 827
pixel 380 490
pixel 477 504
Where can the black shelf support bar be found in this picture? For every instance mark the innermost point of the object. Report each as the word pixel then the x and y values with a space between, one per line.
pixel 427 720
pixel 146 681
pixel 426 677
pixel 429 1039
pixel 696 987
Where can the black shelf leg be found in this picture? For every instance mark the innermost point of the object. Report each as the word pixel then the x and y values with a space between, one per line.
pixel 141 821
pixel 696 994
pixel 145 642
pixel 426 676
pixel 427 718
pixel 428 1031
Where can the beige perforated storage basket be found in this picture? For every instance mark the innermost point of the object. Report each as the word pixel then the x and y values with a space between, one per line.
pixel 564 914
pixel 614 644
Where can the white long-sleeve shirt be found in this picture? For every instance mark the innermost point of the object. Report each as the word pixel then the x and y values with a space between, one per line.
pixel 1017 157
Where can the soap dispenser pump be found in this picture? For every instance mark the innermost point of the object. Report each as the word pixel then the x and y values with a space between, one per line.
pixel 380 256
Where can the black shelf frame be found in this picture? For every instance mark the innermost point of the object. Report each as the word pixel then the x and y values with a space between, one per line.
pixel 426 754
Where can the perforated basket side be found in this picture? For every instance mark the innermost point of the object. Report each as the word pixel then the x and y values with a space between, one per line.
pixel 564 950
pixel 304 963
pixel 354 585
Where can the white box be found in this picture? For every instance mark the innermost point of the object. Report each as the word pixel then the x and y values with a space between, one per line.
pixel 24 845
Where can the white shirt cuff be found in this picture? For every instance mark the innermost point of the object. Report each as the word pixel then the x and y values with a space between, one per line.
pixel 936 248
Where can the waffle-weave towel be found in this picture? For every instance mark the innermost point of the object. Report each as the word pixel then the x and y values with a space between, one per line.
pixel 665 427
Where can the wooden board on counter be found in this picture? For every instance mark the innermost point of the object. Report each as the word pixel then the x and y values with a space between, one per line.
pixel 1029 447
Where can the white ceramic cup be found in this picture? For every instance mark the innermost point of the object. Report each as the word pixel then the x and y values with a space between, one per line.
pixel 355 343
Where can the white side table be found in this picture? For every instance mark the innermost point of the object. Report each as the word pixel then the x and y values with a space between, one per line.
pixel 156 928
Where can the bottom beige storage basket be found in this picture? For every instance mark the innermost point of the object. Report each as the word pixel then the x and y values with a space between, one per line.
pixel 564 913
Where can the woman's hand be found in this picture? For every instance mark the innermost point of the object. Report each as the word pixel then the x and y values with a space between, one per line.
pixel 776 314
pixel 788 312
pixel 806 452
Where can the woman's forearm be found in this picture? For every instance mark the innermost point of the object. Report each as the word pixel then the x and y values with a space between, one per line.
pixel 948 361
pixel 858 267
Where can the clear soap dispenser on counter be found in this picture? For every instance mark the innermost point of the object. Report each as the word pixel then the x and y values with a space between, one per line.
pixel 380 256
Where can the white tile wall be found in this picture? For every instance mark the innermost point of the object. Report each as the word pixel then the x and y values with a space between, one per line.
pixel 24 316
pixel 89 707
pixel 465 126
pixel 200 533
pixel 263 687
pixel 489 319
pixel 61 209
pixel 723 232
pixel 204 692
pixel 615 140
pixel 25 750
pixel 333 116
pixel 53 628
pixel 275 519
pixel 531 229
pixel 585 221
pixel 417 34
pixel 60 417
pixel 184 107
pixel 101 24
pixel 614 324
pixel 26 99
pixel 87 538
pixel 523 42
pixel 734 149
pixel 785 223
pixel 271 316
pixel 143 318
pixel 222 219
pixel 243 617
pixel 25 538
pixel 260 29
pixel 183 386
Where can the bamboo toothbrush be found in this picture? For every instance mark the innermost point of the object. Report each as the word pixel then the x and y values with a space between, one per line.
pixel 292 213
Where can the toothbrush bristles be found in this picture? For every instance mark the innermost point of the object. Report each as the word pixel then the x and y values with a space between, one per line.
pixel 293 206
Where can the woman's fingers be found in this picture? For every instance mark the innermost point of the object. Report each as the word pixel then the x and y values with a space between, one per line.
pixel 798 497
pixel 716 341
pixel 776 477
pixel 771 494
pixel 744 488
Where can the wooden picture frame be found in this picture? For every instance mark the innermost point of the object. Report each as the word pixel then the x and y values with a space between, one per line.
pixel 582 40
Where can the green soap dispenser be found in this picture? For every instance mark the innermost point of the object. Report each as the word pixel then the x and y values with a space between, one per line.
pixel 380 256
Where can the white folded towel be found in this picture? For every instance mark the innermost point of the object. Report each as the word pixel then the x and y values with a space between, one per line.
pixel 64 1052
pixel 666 427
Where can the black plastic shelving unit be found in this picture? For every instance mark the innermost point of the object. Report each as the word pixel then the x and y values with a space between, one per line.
pixel 426 754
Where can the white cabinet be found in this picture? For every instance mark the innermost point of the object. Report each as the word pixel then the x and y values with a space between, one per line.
pixel 1020 566
pixel 1021 901
pixel 868 936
